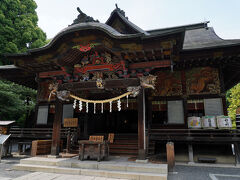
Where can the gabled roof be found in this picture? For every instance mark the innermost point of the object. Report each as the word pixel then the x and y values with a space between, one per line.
pixel 175 28
pixel 118 13
pixel 205 38
pixel 198 36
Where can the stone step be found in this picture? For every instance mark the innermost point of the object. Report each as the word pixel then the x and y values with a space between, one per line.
pixel 103 165
pixel 41 161
pixel 92 172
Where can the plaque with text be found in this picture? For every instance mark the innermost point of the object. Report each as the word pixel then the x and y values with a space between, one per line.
pixel 70 122
pixel 213 107
pixel 175 112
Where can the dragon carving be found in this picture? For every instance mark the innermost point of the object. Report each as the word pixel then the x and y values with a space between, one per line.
pixel 148 81
pixel 62 95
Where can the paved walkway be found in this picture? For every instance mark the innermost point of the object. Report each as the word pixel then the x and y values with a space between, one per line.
pixel 51 176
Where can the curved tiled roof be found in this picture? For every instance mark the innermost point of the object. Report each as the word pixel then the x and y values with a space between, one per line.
pixel 204 38
pixel 197 36
pixel 87 26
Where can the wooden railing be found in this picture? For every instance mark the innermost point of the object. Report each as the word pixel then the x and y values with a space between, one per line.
pixel 35 133
pixel 196 135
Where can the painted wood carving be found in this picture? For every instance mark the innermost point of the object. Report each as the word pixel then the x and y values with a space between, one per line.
pixel 44 91
pixel 168 84
pixel 203 80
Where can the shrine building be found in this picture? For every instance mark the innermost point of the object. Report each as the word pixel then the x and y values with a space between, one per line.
pixel 143 86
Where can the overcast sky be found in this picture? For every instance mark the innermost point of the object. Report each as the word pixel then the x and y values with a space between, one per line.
pixel 224 15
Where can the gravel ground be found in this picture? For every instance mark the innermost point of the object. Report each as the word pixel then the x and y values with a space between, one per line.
pixel 204 173
pixel 6 168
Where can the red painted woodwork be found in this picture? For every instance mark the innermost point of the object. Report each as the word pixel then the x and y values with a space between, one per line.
pixel 102 67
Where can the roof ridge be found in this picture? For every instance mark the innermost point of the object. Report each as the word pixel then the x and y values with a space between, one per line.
pixel 122 15
pixel 187 26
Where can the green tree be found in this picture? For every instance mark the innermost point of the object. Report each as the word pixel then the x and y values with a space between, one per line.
pixel 16 101
pixel 18 33
pixel 233 100
pixel 18 27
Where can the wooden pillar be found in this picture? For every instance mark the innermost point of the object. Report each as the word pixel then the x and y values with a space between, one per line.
pixel 141 125
pixel 237 154
pixel 224 105
pixel 149 121
pixel 184 90
pixel 56 134
pixel 190 154
pixel 170 156
pixel 85 129
pixel 149 113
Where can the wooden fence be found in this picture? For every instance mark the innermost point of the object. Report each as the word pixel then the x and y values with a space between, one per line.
pixel 35 133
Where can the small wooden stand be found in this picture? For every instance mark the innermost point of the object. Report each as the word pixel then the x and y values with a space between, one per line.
pixel 93 150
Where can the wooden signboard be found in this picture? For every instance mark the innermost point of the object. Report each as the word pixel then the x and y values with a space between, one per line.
pixel 213 107
pixel 70 122
pixel 3 130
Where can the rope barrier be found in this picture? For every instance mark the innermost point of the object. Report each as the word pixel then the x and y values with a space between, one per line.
pixel 101 101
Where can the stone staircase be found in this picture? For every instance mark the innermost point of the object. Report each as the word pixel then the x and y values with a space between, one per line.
pixel 115 167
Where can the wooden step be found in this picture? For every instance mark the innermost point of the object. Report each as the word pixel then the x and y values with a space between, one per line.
pixel 127 146
pixel 124 151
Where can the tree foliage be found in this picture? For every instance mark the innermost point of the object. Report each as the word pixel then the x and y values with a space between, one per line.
pixel 233 100
pixel 16 101
pixel 18 33
pixel 18 27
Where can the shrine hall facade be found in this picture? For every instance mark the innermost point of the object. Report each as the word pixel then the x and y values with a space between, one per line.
pixel 170 73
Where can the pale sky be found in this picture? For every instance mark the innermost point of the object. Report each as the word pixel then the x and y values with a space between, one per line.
pixel 224 15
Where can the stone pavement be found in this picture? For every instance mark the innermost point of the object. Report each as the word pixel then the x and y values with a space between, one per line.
pixel 51 176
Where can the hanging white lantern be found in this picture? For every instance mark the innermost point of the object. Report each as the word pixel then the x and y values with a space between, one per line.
pixel 127 100
pixel 86 107
pixel 119 105
pixel 74 103
pixel 80 106
pixel 110 106
pixel 94 108
pixel 102 108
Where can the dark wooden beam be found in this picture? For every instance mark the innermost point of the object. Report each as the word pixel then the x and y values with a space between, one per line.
pixel 57 128
pixel 233 76
pixel 155 64
pixel 114 83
